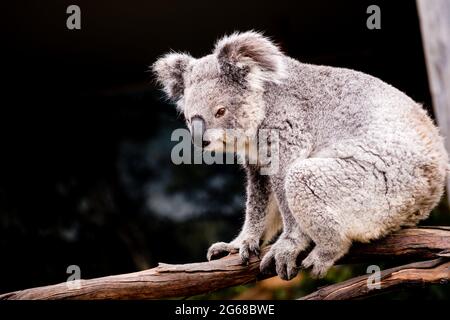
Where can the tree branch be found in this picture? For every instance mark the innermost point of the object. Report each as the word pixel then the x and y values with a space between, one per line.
pixel 167 281
pixel 414 274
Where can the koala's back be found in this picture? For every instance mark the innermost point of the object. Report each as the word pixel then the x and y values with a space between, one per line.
pixel 352 115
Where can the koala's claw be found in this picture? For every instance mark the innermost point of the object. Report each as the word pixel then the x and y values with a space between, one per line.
pixel 245 247
pixel 267 265
pixel 319 266
pixel 285 268
pixel 248 247
pixel 282 258
pixel 219 250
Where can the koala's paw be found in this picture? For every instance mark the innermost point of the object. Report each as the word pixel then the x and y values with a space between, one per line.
pixel 246 248
pixel 283 256
pixel 320 266
pixel 220 249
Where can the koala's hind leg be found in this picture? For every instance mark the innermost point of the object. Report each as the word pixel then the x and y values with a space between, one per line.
pixel 327 196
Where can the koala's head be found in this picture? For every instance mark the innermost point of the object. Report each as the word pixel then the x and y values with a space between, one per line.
pixel 222 90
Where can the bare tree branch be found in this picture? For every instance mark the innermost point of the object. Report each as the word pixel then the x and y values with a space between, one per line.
pixel 167 281
pixel 414 274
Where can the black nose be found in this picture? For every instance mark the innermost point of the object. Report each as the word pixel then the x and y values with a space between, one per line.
pixel 205 143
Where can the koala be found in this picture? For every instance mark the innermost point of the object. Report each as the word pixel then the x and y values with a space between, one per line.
pixel 358 158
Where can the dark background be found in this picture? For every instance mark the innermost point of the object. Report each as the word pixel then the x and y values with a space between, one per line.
pixel 85 170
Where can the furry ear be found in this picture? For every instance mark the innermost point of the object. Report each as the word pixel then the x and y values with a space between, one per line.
pixel 251 55
pixel 169 71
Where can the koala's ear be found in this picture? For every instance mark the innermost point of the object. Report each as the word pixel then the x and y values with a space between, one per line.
pixel 169 71
pixel 252 55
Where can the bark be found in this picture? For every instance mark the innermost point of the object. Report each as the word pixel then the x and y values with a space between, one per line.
pixel 415 274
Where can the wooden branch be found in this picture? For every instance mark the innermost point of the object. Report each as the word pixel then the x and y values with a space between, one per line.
pixel 414 274
pixel 410 244
pixel 167 281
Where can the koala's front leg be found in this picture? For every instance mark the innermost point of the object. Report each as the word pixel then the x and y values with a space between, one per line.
pixel 247 242
pixel 282 256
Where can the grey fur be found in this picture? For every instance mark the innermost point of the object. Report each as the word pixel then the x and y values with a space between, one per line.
pixel 358 158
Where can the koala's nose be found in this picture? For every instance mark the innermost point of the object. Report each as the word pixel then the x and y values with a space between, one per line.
pixel 198 129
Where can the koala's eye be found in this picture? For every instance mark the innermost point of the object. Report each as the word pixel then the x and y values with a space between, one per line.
pixel 220 112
